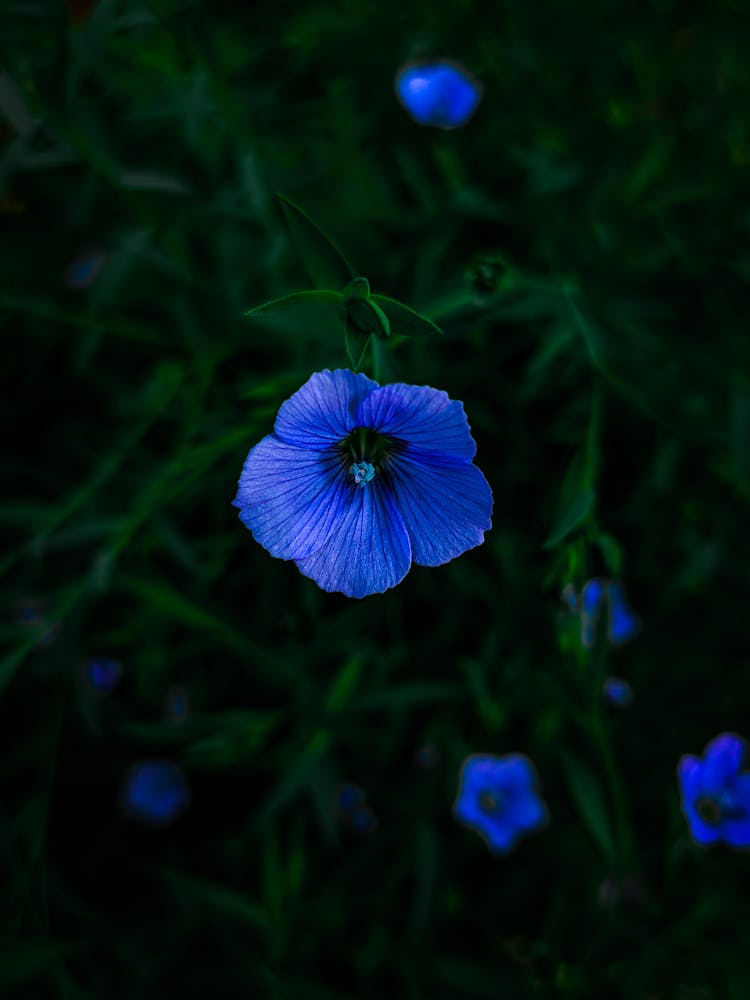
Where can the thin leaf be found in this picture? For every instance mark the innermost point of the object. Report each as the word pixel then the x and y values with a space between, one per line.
pixel 405 321
pixel 590 800
pixel 574 514
pixel 323 261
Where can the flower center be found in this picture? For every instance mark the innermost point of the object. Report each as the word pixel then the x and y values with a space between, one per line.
pixel 490 802
pixel 708 809
pixel 367 450
pixel 363 473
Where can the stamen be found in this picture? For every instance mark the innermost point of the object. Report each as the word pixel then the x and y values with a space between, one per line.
pixel 363 473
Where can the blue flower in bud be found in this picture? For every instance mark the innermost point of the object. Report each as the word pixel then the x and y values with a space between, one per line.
pixel 177 704
pixel 155 792
pixel 616 692
pixel 498 798
pixel 103 674
pixel 715 793
pixel 84 269
pixel 439 93
pixel 623 622
pixel 358 481
pixel 352 809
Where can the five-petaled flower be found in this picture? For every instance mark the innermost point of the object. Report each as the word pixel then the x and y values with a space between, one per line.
pixel 358 481
pixel 715 793
pixel 498 797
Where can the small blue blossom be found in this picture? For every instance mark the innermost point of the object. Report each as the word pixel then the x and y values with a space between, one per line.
pixel 715 793
pixel 440 93
pixel 103 674
pixel 616 692
pixel 623 622
pixel 358 481
pixel 177 704
pixel 592 596
pixel 84 269
pixel 498 797
pixel 155 792
pixel 353 810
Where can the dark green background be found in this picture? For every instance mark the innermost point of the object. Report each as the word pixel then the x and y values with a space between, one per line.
pixel 583 242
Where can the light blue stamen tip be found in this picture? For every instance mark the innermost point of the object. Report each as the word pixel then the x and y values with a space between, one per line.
pixel 363 473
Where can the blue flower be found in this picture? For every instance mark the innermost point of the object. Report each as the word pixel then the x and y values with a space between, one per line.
pixel 623 622
pixel 155 792
pixel 616 692
pixel 715 793
pixel 358 481
pixel 103 674
pixel 498 797
pixel 440 93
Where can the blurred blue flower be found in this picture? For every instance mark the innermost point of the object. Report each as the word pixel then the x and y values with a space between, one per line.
pixel 616 692
pixel 352 809
pixel 715 793
pixel 177 704
pixel 155 792
pixel 305 497
pixel 103 674
pixel 441 93
pixel 592 596
pixel 623 622
pixel 569 598
pixel 498 797
pixel 84 269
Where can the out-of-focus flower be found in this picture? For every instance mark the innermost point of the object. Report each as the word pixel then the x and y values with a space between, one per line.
pixel 176 703
pixel 358 481
pixel 352 809
pixel 498 797
pixel 439 93
pixel 155 792
pixel 616 692
pixel 84 269
pixel 623 622
pixel 715 793
pixel 426 757
pixel 103 674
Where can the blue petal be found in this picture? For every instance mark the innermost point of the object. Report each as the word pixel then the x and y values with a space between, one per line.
pixel 591 598
pixel 446 507
pixel 438 94
pixel 321 412
pixel 736 832
pixel 500 836
pixel 422 417
pixel 292 499
pixel 689 777
pixel 368 549
pixel 722 761
pixel 623 623
pixel 529 812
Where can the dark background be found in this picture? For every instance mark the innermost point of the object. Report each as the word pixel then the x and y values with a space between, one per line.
pixel 583 243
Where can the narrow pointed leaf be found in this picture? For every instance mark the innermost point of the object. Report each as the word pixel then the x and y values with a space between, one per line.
pixel 358 288
pixel 592 806
pixel 403 320
pixel 323 261
pixel 307 311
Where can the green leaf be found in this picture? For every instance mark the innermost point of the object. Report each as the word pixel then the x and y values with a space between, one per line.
pixel 590 800
pixel 403 320
pixel 218 900
pixel 302 312
pixel 323 261
pixel 295 301
pixel 356 345
pixel 574 514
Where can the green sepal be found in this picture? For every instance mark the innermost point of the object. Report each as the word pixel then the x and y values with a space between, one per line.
pixel 368 317
pixel 357 290
pixel 356 343
pixel 403 320
pixel 323 261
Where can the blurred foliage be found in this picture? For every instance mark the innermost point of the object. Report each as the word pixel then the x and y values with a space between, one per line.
pixel 583 244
